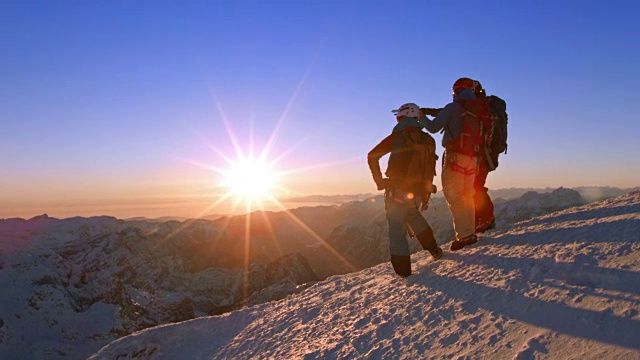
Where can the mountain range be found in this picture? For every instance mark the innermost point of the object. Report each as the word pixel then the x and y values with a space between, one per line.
pixel 73 285
pixel 558 286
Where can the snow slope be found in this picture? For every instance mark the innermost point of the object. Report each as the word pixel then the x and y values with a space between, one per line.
pixel 69 287
pixel 564 285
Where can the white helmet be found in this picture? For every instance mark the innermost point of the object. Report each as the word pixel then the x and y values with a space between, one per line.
pixel 409 110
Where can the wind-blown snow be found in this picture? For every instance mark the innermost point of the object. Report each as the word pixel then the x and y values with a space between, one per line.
pixel 565 285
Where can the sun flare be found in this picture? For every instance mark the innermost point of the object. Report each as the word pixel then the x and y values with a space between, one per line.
pixel 255 182
pixel 251 180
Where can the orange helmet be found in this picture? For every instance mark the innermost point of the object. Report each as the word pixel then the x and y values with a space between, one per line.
pixel 462 83
pixel 478 89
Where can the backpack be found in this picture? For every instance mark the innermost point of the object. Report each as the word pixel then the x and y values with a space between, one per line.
pixel 498 136
pixel 475 131
pixel 412 163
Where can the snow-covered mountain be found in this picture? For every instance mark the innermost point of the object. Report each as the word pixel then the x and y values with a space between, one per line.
pixel 532 204
pixel 560 286
pixel 73 285
pixel 588 193
pixel 70 286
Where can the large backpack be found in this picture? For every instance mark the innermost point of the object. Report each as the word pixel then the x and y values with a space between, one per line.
pixel 498 135
pixel 475 131
pixel 412 163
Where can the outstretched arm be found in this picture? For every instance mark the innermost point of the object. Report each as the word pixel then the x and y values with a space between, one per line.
pixel 440 121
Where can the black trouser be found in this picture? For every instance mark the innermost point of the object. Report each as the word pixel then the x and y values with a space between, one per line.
pixel 483 203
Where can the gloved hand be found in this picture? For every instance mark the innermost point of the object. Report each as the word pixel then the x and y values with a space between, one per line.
pixel 383 183
pixel 430 111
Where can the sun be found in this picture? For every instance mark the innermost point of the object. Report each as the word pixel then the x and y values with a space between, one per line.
pixel 250 180
pixel 255 181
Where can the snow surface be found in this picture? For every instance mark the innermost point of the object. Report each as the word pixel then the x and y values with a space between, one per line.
pixel 560 286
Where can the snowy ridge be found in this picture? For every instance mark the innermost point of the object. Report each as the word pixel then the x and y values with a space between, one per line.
pixel 564 285
pixel 71 286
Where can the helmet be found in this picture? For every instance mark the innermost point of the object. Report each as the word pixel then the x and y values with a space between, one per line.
pixel 478 89
pixel 408 109
pixel 477 86
pixel 462 83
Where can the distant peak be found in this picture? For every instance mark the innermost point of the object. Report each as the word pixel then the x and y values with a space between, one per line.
pixel 43 217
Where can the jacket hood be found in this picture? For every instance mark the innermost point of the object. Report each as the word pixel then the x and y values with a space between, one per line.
pixel 466 94
pixel 407 122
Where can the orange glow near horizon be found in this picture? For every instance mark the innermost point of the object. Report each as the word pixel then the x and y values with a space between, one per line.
pixel 254 182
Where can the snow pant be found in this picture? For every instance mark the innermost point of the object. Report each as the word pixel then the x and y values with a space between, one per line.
pixel 458 176
pixel 401 216
pixel 484 205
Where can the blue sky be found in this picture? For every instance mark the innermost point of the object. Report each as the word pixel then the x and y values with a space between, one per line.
pixel 111 106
